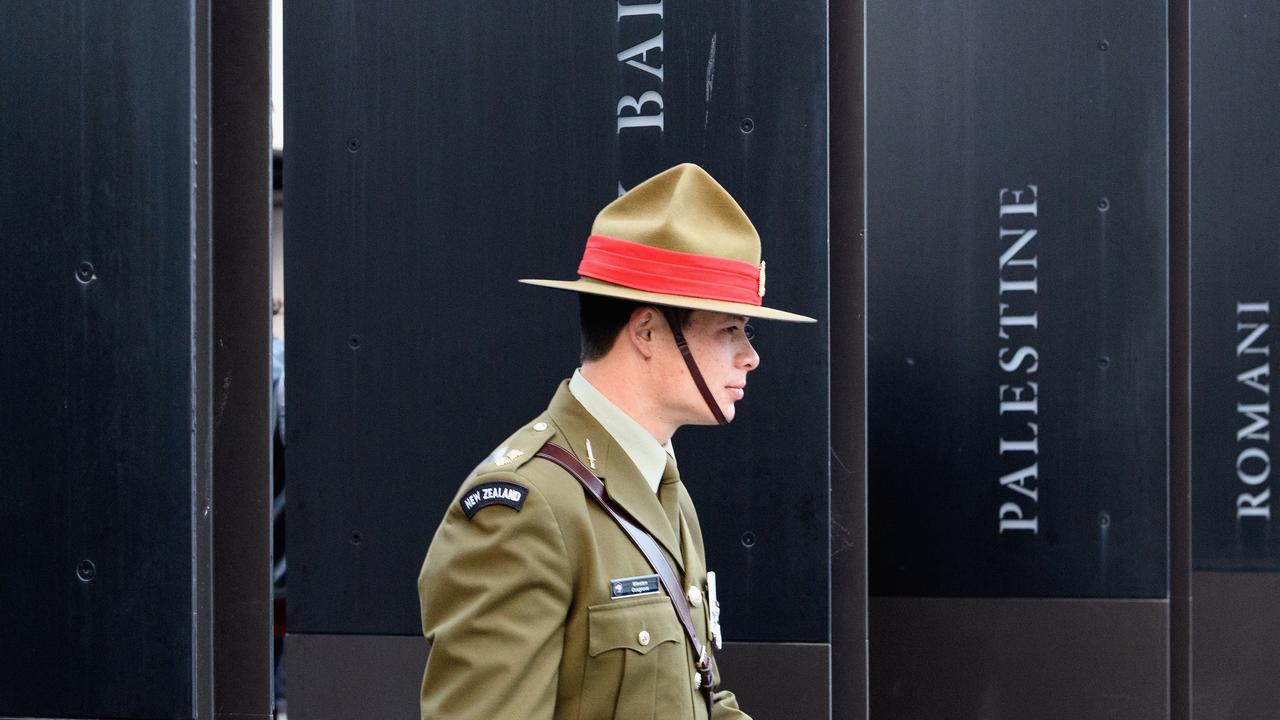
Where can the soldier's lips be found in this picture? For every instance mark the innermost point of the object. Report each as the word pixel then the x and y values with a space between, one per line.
pixel 736 392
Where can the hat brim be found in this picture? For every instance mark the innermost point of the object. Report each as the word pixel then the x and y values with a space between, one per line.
pixel 598 287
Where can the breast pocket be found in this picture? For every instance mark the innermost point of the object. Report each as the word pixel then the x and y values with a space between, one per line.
pixel 636 664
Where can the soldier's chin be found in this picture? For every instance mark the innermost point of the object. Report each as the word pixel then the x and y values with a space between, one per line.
pixel 707 418
pixel 729 410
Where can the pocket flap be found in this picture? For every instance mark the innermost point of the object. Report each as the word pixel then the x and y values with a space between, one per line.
pixel 639 625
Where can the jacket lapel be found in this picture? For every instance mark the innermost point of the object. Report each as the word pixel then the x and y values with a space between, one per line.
pixel 623 482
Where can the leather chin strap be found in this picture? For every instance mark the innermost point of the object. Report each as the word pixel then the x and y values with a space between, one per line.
pixel 707 397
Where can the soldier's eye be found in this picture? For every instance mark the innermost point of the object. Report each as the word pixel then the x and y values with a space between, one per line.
pixel 749 331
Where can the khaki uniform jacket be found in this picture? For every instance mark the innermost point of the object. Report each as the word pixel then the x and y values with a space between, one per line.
pixel 517 602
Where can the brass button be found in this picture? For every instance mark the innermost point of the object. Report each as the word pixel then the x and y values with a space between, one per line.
pixel 540 426
pixel 643 637
pixel 695 596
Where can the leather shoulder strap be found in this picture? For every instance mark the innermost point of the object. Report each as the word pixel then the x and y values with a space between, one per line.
pixel 648 546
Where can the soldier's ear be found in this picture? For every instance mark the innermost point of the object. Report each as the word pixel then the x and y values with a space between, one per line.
pixel 641 330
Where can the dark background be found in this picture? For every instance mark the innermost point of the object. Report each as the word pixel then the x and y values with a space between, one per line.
pixel 97 399
pixel 440 151
pixel 1235 165
pixel 964 100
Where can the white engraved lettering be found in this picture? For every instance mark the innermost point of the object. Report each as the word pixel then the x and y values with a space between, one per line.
pixel 1019 322
pixel 1253 406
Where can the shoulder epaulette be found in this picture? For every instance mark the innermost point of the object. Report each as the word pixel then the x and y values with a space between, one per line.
pixel 519 448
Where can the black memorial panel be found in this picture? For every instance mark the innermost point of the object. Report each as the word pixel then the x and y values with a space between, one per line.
pixel 1017 322
pixel 440 151
pixel 96 499
pixel 1235 281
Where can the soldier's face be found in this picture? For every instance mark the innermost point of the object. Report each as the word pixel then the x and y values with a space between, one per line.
pixel 724 355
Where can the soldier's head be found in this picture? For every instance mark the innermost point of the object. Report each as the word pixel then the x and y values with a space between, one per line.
pixel 602 319
pixel 670 274
pixel 635 340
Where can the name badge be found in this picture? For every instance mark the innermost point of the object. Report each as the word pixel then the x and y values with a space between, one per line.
pixel 632 586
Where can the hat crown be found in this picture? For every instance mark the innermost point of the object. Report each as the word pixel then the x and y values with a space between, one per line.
pixel 677 239
pixel 685 210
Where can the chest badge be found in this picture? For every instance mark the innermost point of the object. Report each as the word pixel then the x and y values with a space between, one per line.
pixel 713 604
pixel 633 586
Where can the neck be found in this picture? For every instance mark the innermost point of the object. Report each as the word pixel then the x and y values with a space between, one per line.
pixel 628 388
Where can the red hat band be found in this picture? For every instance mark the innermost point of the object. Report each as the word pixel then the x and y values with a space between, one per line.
pixel 671 272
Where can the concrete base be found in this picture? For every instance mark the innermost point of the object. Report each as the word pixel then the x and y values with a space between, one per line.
pixel 354 677
pixel 996 658
pixel 779 681
pixel 1235 645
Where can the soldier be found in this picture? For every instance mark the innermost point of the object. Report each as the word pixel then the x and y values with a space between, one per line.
pixel 568 577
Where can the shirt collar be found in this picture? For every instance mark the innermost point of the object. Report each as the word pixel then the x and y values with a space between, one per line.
pixel 649 457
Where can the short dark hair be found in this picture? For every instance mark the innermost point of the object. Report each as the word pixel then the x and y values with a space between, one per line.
pixel 602 319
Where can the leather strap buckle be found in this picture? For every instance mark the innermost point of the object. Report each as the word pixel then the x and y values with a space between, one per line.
pixel 705 677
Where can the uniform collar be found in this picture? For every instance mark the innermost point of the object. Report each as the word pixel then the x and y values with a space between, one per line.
pixel 622 480
pixel 649 457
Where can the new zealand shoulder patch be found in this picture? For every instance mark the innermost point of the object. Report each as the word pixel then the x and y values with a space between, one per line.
pixel 493 493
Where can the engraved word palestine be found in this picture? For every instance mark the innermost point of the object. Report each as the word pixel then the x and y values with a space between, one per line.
pixel 1019 360
pixel 1253 463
